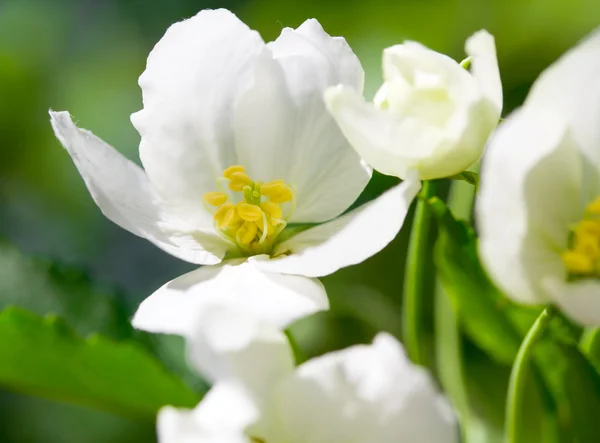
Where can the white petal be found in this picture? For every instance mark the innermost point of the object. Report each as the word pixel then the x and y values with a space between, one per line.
pixel 362 394
pixel 347 240
pixel 395 146
pixel 335 60
pixel 192 80
pixel 529 196
pixel 580 300
pixel 265 120
pixel 277 299
pixel 484 66
pixel 317 159
pixel 570 86
pixel 229 344
pixel 123 193
pixel 221 417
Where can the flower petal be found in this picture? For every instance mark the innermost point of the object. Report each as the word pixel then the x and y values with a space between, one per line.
pixel 395 146
pixel 580 300
pixel 570 86
pixel 229 344
pixel 192 80
pixel 277 299
pixel 123 193
pixel 327 173
pixel 530 194
pixel 484 67
pixel 347 240
pixel 362 394
pixel 221 417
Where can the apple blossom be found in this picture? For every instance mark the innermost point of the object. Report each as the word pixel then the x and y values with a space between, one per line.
pixel 538 210
pixel 363 394
pixel 244 169
pixel 430 114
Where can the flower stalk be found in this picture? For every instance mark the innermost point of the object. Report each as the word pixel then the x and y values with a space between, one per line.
pixel 414 278
pixel 515 402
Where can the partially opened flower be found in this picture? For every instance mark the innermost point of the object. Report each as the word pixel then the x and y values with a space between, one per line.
pixel 538 210
pixel 431 114
pixel 241 160
pixel 363 394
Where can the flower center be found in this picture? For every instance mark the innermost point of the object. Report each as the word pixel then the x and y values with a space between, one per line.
pixel 250 213
pixel 582 259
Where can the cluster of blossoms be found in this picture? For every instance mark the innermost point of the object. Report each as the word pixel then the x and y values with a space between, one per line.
pixel 254 152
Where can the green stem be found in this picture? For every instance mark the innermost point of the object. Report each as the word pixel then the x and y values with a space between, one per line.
pixel 414 278
pixel 515 402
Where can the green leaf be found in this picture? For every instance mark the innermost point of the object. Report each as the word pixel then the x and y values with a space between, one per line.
pixel 492 321
pixel 45 357
pixel 590 346
pixel 44 287
pixel 468 176
pixel 566 381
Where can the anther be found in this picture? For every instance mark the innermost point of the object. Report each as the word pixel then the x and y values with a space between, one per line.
pixel 225 215
pixel 238 181
pixel 594 207
pixel 215 198
pixel 232 169
pixel 577 263
pixel 248 212
pixel 273 209
pixel 246 234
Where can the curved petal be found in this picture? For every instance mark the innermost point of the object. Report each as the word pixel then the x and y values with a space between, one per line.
pixel 395 146
pixel 361 394
pixel 221 417
pixel 580 300
pixel 530 194
pixel 484 67
pixel 229 344
pixel 274 298
pixel 570 86
pixel 192 80
pixel 347 240
pixel 123 193
pixel 317 159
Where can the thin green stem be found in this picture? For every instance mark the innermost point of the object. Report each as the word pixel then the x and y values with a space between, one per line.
pixel 414 278
pixel 515 402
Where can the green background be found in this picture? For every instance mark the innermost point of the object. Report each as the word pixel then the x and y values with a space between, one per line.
pixel 85 56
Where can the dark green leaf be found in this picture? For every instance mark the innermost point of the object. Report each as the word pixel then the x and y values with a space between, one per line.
pixel 493 322
pixel 45 357
pixel 50 288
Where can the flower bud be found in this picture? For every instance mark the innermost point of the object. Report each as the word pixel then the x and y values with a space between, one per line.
pixel 430 114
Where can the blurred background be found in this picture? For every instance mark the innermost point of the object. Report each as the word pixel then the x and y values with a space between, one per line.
pixel 85 56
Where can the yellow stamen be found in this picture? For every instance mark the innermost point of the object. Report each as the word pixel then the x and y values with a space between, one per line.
pixel 582 259
pixel 282 197
pixel 232 169
pixel 594 207
pixel 215 198
pixel 238 181
pixel 274 210
pixel 577 263
pixel 225 215
pixel 246 233
pixel 248 212
pixel 253 218
pixel 272 188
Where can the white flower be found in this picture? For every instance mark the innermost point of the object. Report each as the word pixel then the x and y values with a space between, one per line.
pixel 430 114
pixel 241 160
pixel 363 394
pixel 538 210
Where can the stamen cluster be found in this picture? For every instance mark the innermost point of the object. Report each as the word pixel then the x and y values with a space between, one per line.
pixel 255 221
pixel 582 259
